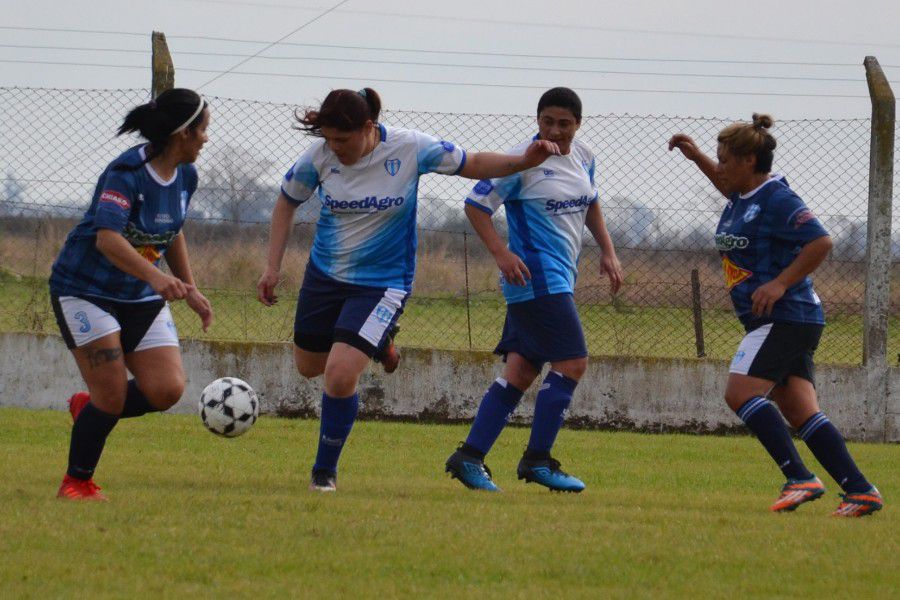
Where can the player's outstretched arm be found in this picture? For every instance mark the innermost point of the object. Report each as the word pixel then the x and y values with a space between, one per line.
pixel 692 152
pixel 490 165
pixel 125 258
pixel 512 267
pixel 280 229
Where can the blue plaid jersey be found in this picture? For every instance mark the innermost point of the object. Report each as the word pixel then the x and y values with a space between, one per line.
pixel 138 204
pixel 759 234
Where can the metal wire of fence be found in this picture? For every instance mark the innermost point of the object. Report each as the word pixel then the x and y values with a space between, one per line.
pixel 660 210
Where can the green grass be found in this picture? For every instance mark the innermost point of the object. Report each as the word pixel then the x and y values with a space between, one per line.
pixel 191 514
pixel 447 323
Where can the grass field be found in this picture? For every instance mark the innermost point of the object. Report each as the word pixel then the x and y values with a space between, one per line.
pixel 195 515
pixel 447 323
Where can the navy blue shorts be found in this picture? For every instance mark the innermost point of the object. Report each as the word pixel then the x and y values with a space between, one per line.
pixel 545 329
pixel 331 311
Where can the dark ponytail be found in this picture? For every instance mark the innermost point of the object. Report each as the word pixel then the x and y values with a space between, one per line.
pixel 344 110
pixel 171 111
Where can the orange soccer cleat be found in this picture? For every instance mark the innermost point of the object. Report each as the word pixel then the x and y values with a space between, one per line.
pixel 859 505
pixel 77 402
pixel 80 489
pixel 796 492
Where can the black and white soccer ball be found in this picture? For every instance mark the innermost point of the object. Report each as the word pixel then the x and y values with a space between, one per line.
pixel 228 407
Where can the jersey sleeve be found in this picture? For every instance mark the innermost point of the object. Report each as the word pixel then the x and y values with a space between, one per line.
pixel 115 200
pixel 793 221
pixel 489 194
pixel 592 177
pixel 438 156
pixel 302 179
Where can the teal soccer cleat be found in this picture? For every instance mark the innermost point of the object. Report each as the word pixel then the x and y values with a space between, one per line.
pixel 471 472
pixel 547 472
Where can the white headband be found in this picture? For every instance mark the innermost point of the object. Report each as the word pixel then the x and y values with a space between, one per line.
pixel 192 117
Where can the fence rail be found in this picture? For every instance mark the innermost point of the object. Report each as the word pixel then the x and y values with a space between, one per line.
pixel 660 210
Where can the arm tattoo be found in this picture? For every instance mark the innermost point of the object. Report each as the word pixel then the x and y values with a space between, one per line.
pixel 105 355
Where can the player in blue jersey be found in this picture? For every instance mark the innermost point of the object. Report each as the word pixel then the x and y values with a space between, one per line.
pixel 108 292
pixel 361 268
pixel 770 243
pixel 547 208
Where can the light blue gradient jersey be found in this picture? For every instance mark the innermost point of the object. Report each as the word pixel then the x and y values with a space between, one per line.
pixel 366 233
pixel 546 208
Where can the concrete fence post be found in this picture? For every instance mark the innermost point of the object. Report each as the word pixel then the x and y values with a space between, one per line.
pixel 163 69
pixel 878 250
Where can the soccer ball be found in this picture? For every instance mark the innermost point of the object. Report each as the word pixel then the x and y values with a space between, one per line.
pixel 228 407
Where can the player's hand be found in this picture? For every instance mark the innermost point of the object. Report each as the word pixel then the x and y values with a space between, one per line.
pixel 687 146
pixel 512 267
pixel 609 264
pixel 200 305
pixel 538 152
pixel 265 289
pixel 765 297
pixel 170 288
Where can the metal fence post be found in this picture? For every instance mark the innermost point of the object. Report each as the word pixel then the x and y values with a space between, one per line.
pixel 163 69
pixel 878 249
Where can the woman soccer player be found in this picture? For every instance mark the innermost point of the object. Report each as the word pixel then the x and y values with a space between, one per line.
pixel 770 243
pixel 109 295
pixel 363 258
pixel 546 209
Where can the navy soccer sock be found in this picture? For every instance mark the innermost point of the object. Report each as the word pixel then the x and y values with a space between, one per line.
pixel 498 403
pixel 136 403
pixel 89 435
pixel 338 415
pixel 765 421
pixel 549 411
pixel 829 448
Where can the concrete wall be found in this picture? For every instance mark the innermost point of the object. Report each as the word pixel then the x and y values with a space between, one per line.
pixel 621 393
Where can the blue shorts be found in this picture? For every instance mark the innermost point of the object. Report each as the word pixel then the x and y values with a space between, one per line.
pixel 545 329
pixel 331 311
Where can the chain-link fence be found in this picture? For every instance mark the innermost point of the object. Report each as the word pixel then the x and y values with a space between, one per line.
pixel 660 211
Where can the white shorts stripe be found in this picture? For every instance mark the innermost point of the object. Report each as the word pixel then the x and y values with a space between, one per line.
pixel 377 323
pixel 748 349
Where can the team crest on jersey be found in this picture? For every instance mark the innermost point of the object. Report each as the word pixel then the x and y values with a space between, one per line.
pixel 392 166
pixel 751 213
pixel 733 273
pixel 115 198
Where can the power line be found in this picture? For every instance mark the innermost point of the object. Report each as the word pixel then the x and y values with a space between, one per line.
pixel 470 66
pixel 310 22
pixel 426 51
pixel 458 83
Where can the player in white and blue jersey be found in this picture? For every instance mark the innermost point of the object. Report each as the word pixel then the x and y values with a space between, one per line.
pixel 547 209
pixel 108 292
pixel 365 175
pixel 770 243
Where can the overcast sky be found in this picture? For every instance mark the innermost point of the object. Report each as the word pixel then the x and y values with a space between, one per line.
pixel 697 58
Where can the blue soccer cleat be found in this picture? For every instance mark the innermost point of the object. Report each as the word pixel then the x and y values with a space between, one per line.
pixel 471 472
pixel 547 472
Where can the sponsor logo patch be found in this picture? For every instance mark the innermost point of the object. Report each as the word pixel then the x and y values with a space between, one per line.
pixel 116 198
pixel 367 204
pixel 447 146
pixel 483 187
pixel 804 216
pixel 568 206
pixel 733 273
pixel 549 173
pixel 149 252
pixel 727 241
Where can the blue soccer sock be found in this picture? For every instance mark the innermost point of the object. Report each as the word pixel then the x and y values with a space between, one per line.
pixel 829 448
pixel 338 415
pixel 549 411
pixel 765 421
pixel 498 403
